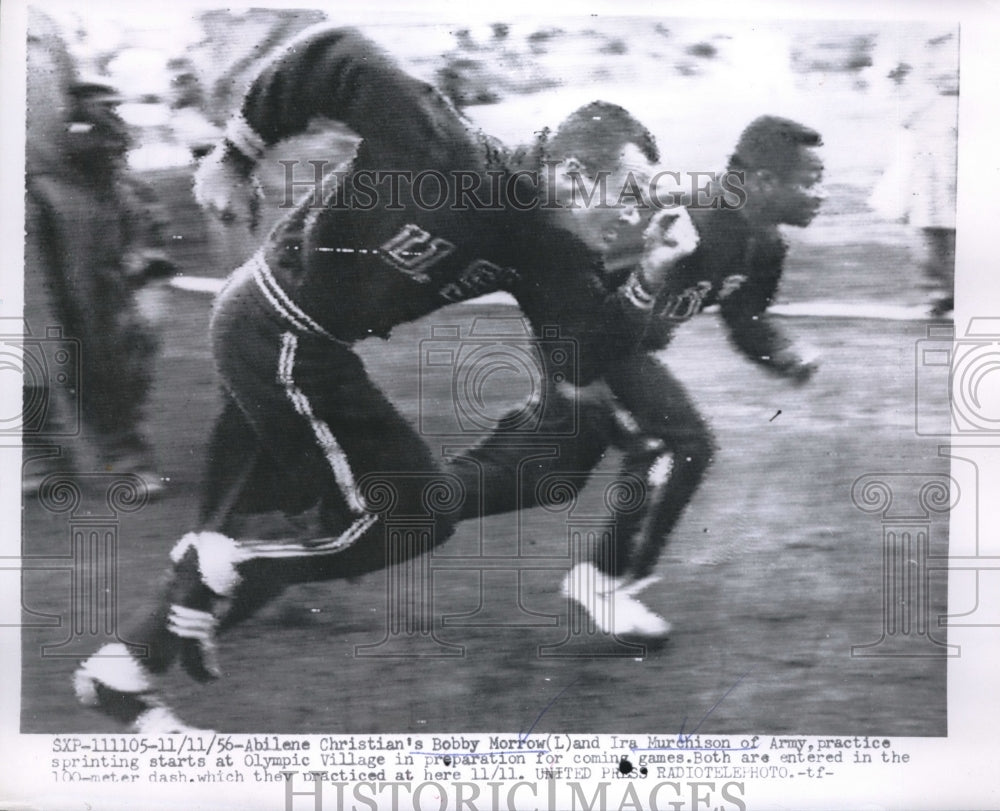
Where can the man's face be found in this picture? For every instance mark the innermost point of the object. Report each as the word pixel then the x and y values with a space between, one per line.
pixel 607 207
pixel 97 127
pixel 795 197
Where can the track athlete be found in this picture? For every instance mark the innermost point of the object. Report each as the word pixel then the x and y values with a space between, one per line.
pixel 304 428
pixel 737 265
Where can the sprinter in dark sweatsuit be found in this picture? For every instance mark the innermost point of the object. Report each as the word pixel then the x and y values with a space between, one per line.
pixel 305 431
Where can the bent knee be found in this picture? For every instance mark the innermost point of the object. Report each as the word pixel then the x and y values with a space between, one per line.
pixel 695 449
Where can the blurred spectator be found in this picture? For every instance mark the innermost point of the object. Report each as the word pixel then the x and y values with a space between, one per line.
pixel 49 412
pixel 920 185
pixel 91 240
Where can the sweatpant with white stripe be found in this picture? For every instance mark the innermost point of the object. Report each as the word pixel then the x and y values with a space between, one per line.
pixel 307 440
pixel 666 445
pixel 305 429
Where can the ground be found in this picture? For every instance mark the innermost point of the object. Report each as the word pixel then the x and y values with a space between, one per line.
pixel 772 576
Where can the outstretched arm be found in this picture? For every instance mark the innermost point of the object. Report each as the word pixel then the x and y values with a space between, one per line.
pixel 338 74
pixel 752 330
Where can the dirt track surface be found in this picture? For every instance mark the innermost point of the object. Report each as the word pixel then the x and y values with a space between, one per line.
pixel 771 578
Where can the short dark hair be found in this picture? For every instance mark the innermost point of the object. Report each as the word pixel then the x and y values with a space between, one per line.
pixel 773 143
pixel 596 134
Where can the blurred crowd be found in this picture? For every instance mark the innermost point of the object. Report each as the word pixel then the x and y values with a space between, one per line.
pixel 181 77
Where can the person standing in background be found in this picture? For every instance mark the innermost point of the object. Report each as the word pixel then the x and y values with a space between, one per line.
pixel 920 185
pixel 89 243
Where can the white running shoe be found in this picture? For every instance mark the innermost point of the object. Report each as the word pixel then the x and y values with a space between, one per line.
pixel 611 604
pixel 115 683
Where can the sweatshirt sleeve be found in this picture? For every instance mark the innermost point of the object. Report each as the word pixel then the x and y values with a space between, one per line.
pixel 337 73
pixel 751 329
pixel 630 307
pixel 605 324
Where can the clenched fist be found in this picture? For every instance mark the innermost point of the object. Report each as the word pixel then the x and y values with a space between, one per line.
pixel 669 236
pixel 225 185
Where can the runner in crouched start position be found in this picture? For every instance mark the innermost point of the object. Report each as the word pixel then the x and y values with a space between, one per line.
pixel 738 266
pixel 305 432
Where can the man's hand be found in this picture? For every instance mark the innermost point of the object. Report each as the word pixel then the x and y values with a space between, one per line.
pixel 669 236
pixel 225 185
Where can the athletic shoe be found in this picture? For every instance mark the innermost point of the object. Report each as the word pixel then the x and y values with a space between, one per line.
pixel 611 604
pixel 198 653
pixel 115 683
pixel 191 618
